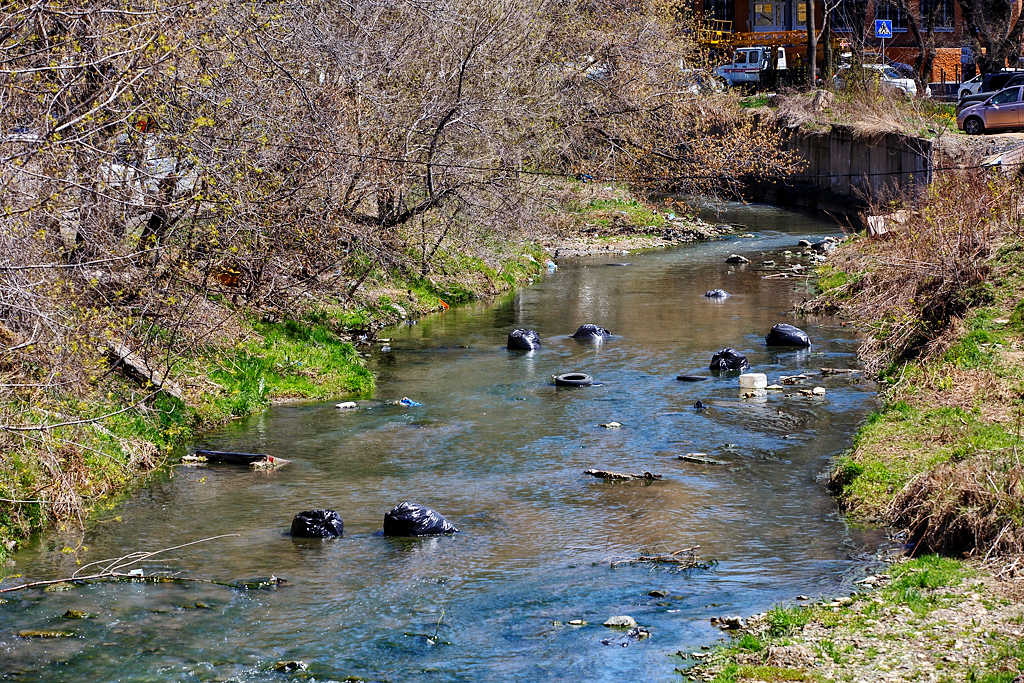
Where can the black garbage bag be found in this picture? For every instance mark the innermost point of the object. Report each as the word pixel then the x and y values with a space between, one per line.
pixel 523 340
pixel 824 246
pixel 409 519
pixel 729 360
pixel 717 294
pixel 589 331
pixel 787 335
pixel 317 524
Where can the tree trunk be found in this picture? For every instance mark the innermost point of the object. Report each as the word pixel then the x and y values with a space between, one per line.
pixel 996 26
pixel 812 47
pixel 922 55
pixel 928 54
pixel 826 38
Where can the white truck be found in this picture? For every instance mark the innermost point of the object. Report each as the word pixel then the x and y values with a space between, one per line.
pixel 748 64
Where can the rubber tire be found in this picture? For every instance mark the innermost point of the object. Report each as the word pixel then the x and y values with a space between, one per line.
pixel 974 126
pixel 573 379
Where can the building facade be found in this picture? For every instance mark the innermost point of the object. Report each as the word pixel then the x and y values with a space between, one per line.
pixel 853 22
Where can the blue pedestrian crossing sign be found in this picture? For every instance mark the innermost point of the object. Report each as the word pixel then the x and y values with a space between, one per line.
pixel 883 28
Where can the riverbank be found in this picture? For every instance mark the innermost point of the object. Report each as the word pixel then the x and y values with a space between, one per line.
pixel 930 618
pixel 940 299
pixel 76 445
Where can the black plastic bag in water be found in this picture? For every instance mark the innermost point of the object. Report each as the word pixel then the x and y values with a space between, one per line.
pixel 729 360
pixel 409 519
pixel 523 340
pixel 787 335
pixel 590 331
pixel 317 524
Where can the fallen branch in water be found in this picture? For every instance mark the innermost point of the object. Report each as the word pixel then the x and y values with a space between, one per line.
pixel 680 559
pixel 839 371
pixel 115 566
pixel 619 476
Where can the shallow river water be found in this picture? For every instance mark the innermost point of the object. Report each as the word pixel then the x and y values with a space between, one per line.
pixel 501 452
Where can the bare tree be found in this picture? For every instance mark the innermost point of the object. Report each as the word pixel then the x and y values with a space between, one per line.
pixel 996 26
pixel 812 47
pixel 168 168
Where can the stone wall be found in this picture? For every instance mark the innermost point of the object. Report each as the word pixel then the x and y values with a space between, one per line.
pixel 844 172
pixel 868 165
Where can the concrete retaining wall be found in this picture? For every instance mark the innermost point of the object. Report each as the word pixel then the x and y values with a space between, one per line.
pixel 843 171
pixel 871 166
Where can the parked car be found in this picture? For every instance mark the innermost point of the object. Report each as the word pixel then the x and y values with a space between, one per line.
pixel 904 70
pixel 699 81
pixel 749 64
pixel 907 71
pixel 970 100
pixel 997 81
pixel 1002 111
pixel 971 87
pixel 888 79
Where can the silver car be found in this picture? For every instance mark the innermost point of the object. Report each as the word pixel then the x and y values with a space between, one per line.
pixel 1002 111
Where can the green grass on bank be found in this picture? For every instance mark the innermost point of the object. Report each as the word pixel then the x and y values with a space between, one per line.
pixel 940 457
pixel 288 360
pixel 958 408
pixel 619 210
pixel 78 468
pixel 915 585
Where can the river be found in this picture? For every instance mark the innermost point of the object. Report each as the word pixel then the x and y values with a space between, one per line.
pixel 501 452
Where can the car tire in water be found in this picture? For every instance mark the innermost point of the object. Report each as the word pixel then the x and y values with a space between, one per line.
pixel 574 379
pixel 974 126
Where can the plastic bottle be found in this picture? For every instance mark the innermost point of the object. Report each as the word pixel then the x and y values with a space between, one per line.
pixel 753 380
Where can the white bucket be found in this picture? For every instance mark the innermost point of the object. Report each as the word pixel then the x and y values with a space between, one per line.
pixel 753 380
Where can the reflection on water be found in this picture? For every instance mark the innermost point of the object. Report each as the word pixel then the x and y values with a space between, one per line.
pixel 499 451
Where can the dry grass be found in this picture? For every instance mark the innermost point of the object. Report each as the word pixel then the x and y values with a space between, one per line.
pixel 913 284
pixel 865 109
pixel 980 390
pixel 963 507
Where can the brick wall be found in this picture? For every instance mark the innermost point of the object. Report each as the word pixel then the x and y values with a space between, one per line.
pixel 946 58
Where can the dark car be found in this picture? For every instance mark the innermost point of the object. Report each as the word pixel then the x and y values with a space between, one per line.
pixel 997 81
pixel 904 70
pixel 1011 80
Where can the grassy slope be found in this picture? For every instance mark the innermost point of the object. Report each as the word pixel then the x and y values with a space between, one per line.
pixel 954 416
pixel 928 617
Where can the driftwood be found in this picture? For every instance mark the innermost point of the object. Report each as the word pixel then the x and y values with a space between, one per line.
pixel 839 371
pixel 784 275
pixel 619 476
pixel 114 569
pixel 138 367
pixel 680 559
pixel 700 459
pixel 254 460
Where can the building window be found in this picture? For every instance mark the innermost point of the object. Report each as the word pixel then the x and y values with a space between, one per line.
pixel 893 14
pixel 800 15
pixel 938 14
pixel 720 10
pixel 844 16
pixel 764 14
